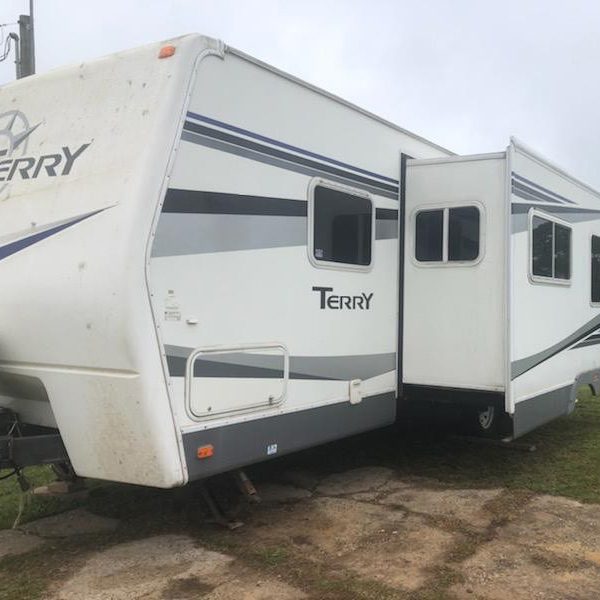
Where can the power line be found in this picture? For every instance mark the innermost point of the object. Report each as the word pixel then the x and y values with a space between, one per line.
pixel 5 41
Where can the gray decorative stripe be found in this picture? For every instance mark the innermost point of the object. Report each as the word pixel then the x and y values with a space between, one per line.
pixel 180 234
pixel 196 138
pixel 586 343
pixel 279 144
pixel 519 220
pixel 530 194
pixel 243 364
pixel 591 340
pixel 346 172
pixel 541 188
pixel 518 367
pixel 520 208
pixel 206 367
pixel 386 230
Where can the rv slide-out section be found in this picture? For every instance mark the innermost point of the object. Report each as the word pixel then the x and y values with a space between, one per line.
pixel 454 294
pixel 454 287
pixel 501 293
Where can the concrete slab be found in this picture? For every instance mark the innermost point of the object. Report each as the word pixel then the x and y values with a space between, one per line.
pixel 365 479
pixel 147 568
pixel 466 505
pixel 501 569
pixel 301 478
pixel 401 557
pixel 170 567
pixel 275 492
pixel 17 542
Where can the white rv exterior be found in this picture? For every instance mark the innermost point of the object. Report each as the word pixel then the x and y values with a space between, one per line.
pixel 183 295
pixel 516 327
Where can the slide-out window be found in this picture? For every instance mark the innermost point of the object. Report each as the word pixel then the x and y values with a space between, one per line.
pixel 429 235
pixel 550 250
pixel 596 269
pixel 342 227
pixel 448 234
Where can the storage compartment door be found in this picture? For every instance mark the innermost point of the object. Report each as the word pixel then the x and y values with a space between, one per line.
pixel 232 379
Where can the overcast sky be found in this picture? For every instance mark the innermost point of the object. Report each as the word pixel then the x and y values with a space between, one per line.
pixel 466 74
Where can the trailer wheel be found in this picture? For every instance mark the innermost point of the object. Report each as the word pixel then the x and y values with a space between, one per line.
pixel 486 421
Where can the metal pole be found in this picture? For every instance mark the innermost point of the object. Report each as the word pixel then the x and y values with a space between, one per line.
pixel 32 37
pixel 25 36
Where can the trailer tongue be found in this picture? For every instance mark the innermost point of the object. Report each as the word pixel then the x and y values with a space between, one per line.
pixel 25 445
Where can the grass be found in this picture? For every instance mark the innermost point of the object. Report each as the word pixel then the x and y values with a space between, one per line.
pixel 10 497
pixel 565 463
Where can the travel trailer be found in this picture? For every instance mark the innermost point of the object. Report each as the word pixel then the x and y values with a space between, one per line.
pixel 206 263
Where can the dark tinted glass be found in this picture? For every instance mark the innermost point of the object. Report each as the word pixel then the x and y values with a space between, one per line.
pixel 595 268
pixel 429 235
pixel 562 252
pixel 342 227
pixel 463 233
pixel 541 250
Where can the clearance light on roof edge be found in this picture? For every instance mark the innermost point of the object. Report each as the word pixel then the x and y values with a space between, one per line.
pixel 166 51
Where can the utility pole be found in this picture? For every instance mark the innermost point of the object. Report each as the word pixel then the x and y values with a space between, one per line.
pixel 26 64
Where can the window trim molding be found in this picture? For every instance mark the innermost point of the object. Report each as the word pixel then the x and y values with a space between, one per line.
pixel 592 303
pixel 540 279
pixel 445 263
pixel 329 264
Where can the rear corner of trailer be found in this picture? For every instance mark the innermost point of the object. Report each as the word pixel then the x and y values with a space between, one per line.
pixel 85 153
pixel 554 289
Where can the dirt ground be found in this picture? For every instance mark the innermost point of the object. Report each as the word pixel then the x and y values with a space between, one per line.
pixel 361 533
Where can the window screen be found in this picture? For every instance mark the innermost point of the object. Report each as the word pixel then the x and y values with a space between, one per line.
pixel 429 235
pixel 463 233
pixel 541 260
pixel 342 227
pixel 562 252
pixel 550 249
pixel 595 268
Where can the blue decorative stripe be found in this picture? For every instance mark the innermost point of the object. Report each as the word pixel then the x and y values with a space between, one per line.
pixel 226 142
pixel 263 138
pixel 527 193
pixel 557 197
pixel 14 247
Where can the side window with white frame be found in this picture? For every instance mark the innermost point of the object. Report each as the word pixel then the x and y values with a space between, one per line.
pixel 595 259
pixel 550 245
pixel 342 227
pixel 448 235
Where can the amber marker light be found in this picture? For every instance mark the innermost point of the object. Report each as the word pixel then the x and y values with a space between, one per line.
pixel 166 51
pixel 205 451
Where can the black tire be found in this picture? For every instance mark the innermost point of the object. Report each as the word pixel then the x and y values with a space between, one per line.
pixel 485 421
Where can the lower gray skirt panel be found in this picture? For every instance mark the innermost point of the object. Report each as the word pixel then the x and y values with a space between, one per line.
pixel 536 411
pixel 241 444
